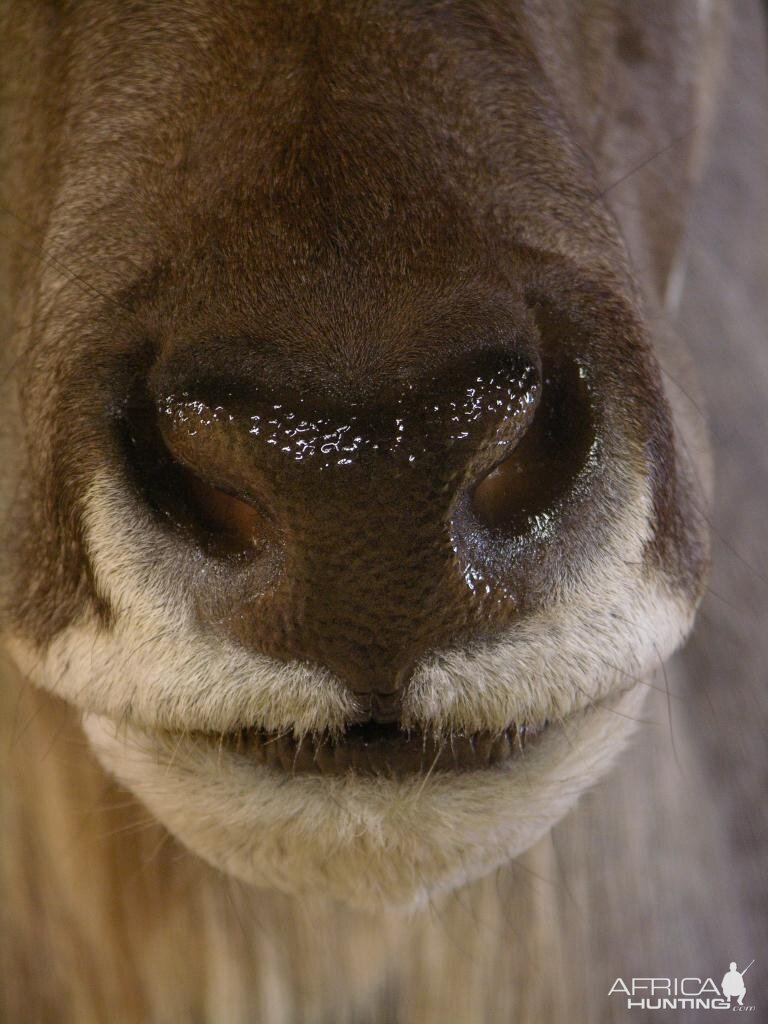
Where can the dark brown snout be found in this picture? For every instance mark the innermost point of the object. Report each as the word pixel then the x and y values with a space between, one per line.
pixel 358 511
pixel 342 296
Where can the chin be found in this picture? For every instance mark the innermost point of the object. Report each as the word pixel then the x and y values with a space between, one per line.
pixel 368 841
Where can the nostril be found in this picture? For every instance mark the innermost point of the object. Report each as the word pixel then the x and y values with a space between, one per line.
pixel 219 522
pixel 232 520
pixel 547 459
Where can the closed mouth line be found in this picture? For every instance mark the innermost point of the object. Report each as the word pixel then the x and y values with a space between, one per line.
pixel 378 749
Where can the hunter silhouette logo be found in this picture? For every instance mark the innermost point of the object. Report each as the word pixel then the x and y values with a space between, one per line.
pixel 691 993
pixel 733 983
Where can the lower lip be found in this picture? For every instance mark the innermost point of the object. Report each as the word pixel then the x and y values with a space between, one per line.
pixel 379 750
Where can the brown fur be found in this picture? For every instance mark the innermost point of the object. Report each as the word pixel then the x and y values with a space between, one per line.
pixel 106 918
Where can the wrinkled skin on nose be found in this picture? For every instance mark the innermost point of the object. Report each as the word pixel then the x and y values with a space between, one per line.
pixel 362 508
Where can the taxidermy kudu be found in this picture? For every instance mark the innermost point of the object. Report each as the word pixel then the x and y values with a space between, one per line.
pixel 356 492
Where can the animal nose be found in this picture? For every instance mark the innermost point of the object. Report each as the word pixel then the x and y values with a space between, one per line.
pixel 361 533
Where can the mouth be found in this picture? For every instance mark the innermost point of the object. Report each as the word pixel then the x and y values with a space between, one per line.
pixel 377 749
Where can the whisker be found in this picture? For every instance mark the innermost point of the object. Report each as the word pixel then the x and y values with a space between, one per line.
pixel 648 160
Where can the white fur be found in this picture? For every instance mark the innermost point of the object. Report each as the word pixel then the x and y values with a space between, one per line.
pixel 364 841
pixel 368 842
pixel 156 668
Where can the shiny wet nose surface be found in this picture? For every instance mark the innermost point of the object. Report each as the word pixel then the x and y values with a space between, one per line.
pixel 362 515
